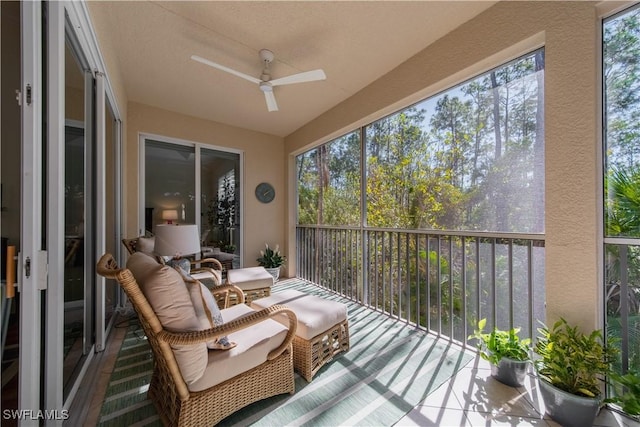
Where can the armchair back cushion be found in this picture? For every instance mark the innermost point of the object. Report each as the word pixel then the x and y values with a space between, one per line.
pixel 207 312
pixel 146 244
pixel 169 297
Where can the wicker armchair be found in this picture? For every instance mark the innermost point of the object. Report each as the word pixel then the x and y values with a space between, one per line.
pixel 209 265
pixel 176 404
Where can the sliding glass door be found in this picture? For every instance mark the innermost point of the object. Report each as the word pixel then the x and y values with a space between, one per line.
pixel 108 293
pixel 193 184
pixel 62 142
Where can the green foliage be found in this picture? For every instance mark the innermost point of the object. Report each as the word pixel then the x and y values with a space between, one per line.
pixel 621 74
pixel 226 208
pixel 623 204
pixel 328 180
pixel 225 246
pixel 622 219
pixel 571 360
pixel 271 258
pixel 468 159
pixel 615 335
pixel 497 344
pixel 621 49
pixel 221 216
pixel 627 392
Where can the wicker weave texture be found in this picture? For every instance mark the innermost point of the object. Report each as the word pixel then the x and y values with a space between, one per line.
pixel 311 355
pixel 209 407
pixel 255 294
pixel 176 405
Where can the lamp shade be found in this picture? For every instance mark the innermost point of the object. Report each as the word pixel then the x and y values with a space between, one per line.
pixel 170 215
pixel 177 240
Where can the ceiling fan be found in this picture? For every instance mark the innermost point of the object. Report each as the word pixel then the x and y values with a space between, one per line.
pixel 264 82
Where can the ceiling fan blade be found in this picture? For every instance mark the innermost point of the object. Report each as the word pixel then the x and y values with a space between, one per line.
pixel 272 105
pixel 307 76
pixel 227 69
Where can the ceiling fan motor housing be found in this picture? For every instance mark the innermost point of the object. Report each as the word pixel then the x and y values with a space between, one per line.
pixel 266 55
pixel 265 86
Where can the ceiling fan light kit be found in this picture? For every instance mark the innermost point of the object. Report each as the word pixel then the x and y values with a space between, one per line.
pixel 265 83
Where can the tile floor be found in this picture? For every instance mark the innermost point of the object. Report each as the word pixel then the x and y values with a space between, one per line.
pixel 473 398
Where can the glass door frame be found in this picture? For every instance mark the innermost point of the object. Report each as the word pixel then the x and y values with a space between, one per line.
pixel 103 102
pixel 32 277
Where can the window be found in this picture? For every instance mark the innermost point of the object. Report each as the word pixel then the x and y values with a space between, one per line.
pixel 621 139
pixel 470 158
pixel 448 183
pixel 329 183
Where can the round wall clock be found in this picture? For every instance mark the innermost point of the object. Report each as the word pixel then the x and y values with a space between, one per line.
pixel 265 192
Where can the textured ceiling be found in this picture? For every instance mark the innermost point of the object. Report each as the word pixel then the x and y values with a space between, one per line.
pixel 355 43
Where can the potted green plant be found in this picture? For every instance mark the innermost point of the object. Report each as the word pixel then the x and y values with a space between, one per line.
pixel 626 390
pixel 507 353
pixel 272 260
pixel 570 368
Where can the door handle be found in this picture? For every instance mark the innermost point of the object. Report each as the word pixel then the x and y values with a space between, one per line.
pixel 11 271
pixel 27 267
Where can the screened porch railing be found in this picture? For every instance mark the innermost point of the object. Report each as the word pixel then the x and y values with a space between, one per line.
pixel 443 282
pixel 622 298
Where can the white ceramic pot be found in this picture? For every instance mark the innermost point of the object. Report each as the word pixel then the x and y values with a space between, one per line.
pixel 275 272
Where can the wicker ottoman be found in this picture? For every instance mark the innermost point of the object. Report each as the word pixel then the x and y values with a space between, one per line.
pixel 322 332
pixel 255 282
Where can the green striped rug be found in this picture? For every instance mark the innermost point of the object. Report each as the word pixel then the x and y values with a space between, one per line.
pixel 390 368
pixel 126 402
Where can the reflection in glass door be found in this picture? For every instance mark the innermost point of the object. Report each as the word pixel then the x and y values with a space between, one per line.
pixel 112 206
pixel 74 271
pixel 196 185
pixel 78 218
pixel 219 180
pixel 170 185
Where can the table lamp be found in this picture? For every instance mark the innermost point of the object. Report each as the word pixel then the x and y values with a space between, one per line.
pixel 170 215
pixel 177 241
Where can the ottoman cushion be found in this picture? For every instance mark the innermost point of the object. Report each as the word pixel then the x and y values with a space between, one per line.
pixel 250 278
pixel 315 315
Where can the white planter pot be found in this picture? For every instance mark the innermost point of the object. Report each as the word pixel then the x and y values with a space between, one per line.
pixel 275 272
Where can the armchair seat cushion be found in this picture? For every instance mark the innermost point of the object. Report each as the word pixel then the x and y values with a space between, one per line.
pixel 253 346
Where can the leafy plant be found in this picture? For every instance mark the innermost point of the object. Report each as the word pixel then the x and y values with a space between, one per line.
pixel 497 344
pixel 271 258
pixel 571 360
pixel 627 391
